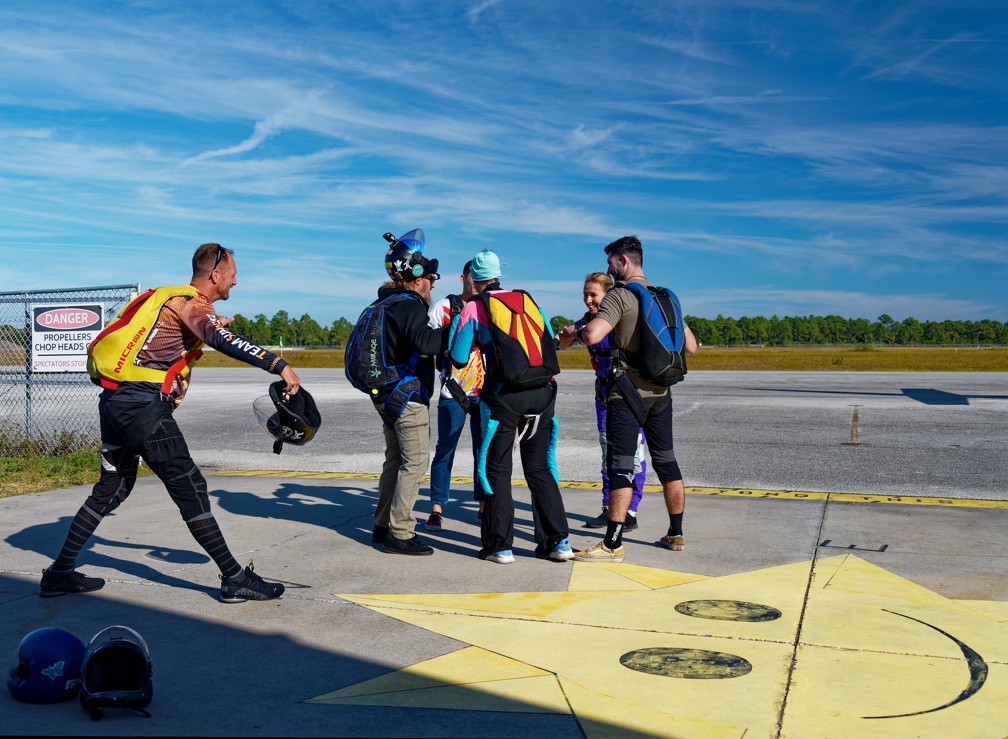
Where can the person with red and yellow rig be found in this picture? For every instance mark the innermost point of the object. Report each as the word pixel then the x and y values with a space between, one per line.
pixel 143 361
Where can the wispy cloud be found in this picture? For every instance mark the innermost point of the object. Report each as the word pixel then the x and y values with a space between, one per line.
pixel 794 145
pixel 475 11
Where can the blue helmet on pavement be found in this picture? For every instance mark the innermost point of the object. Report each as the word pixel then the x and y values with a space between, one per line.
pixel 47 667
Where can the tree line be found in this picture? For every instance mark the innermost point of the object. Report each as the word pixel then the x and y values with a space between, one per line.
pixel 832 329
pixel 282 329
pixel 720 331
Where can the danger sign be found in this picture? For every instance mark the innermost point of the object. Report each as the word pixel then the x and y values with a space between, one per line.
pixel 61 334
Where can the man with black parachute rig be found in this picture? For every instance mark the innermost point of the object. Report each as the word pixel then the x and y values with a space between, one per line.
pixel 457 402
pixel 390 356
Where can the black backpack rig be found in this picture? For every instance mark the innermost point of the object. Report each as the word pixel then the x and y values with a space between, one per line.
pixel 367 366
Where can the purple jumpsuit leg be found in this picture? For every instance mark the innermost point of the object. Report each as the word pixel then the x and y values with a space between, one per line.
pixel 600 416
pixel 639 477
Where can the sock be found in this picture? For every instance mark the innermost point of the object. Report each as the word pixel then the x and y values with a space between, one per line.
pixel 675 524
pixel 208 535
pixel 632 513
pixel 83 525
pixel 614 534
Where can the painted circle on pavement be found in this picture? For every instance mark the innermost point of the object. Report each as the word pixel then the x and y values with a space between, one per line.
pixel 688 664
pixel 728 610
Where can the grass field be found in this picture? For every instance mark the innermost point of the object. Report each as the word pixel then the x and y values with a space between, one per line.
pixel 32 473
pixel 793 359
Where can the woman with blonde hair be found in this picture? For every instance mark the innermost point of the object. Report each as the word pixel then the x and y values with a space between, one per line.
pixel 596 285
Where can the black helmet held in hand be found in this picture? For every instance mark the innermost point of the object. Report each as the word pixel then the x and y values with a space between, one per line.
pixel 290 419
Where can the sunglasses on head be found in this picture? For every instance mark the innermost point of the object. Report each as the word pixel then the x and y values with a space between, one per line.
pixel 221 251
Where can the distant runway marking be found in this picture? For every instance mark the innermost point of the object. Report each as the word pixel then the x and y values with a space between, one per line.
pixel 729 492
pixel 842 497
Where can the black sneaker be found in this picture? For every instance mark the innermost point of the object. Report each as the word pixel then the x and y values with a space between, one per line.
pixel 60 583
pixel 410 546
pixel 378 534
pixel 630 524
pixel 600 521
pixel 248 586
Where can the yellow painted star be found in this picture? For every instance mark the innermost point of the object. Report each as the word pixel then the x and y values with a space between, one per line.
pixel 637 650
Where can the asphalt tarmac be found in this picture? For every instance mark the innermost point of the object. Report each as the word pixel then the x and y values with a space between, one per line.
pixel 917 434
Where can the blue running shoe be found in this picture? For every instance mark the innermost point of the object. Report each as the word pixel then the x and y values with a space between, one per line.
pixel 503 557
pixel 562 551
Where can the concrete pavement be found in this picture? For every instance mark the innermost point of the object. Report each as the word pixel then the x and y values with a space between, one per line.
pixel 788 614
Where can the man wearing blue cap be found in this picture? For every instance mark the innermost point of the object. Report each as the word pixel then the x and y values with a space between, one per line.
pixel 458 401
pixel 518 398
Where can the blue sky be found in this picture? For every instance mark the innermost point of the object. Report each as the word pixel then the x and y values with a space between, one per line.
pixel 786 157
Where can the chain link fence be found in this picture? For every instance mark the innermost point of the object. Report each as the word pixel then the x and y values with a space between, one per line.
pixel 48 412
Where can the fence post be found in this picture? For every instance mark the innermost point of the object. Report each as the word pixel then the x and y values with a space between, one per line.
pixel 28 372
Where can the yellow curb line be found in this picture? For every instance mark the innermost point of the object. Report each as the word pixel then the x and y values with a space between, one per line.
pixel 729 492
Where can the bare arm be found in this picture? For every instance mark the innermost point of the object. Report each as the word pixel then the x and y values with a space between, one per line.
pixel 595 331
pixel 689 342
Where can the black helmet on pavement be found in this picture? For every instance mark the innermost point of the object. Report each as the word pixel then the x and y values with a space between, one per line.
pixel 290 419
pixel 117 672
pixel 47 667
pixel 404 260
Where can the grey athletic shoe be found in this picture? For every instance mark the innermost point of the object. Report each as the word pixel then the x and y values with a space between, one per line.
pixel 60 583
pixel 248 586
pixel 600 521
